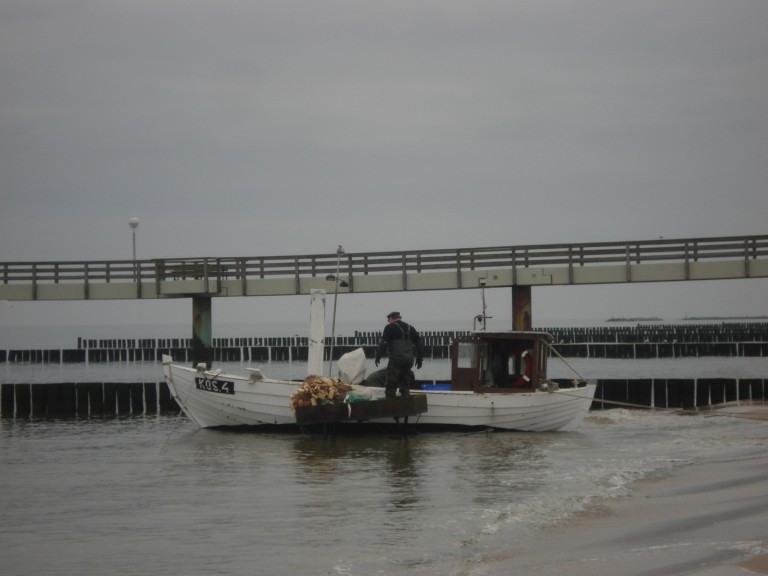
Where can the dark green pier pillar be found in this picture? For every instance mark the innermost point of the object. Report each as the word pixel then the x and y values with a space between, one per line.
pixel 202 342
pixel 522 318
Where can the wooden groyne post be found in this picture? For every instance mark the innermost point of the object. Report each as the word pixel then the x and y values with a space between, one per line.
pixel 678 393
pixel 86 400
pixel 92 400
pixel 202 341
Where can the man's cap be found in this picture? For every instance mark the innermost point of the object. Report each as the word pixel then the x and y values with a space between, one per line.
pixel 393 315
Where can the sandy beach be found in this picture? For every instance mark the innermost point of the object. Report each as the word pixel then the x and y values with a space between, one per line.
pixel 703 519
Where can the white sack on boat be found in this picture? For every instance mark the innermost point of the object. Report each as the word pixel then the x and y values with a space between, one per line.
pixel 352 367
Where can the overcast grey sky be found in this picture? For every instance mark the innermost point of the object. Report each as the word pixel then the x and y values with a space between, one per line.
pixel 244 128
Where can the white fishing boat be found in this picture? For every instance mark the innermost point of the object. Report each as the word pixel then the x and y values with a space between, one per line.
pixel 498 380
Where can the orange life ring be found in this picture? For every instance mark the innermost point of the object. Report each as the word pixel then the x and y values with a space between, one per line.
pixel 525 379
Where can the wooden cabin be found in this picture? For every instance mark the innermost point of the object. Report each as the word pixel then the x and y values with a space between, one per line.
pixel 499 361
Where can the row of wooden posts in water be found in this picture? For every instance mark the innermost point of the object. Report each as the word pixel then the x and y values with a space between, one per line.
pixel 641 341
pixel 110 400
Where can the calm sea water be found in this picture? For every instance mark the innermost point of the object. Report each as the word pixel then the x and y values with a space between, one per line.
pixel 154 495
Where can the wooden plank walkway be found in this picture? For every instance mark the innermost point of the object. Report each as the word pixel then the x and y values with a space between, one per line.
pixel 412 270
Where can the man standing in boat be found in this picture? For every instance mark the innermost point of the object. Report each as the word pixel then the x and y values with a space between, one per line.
pixel 402 345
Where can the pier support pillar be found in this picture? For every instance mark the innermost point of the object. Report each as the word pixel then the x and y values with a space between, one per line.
pixel 202 342
pixel 522 318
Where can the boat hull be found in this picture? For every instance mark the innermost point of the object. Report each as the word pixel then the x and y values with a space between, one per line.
pixel 215 399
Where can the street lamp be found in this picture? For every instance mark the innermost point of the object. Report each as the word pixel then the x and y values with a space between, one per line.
pixel 134 223
pixel 342 283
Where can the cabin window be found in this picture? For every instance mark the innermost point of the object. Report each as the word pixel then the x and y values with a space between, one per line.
pixel 466 356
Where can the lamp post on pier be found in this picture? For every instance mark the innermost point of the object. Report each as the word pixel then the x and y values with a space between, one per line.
pixel 134 223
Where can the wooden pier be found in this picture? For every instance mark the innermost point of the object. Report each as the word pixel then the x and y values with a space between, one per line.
pixel 656 260
pixel 518 267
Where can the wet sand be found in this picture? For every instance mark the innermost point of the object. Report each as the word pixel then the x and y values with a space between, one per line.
pixel 707 519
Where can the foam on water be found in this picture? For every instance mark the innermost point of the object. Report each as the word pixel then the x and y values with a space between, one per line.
pixel 623 446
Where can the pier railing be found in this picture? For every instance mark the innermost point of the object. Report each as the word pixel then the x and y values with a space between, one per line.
pixel 744 250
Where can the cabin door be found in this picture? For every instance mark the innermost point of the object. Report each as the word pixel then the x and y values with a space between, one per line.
pixel 466 365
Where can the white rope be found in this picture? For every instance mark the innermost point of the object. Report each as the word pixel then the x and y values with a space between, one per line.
pixel 564 360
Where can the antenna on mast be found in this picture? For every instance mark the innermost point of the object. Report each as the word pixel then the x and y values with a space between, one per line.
pixel 481 317
pixel 338 282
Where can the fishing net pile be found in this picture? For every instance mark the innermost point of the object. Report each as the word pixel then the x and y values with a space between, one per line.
pixel 319 390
